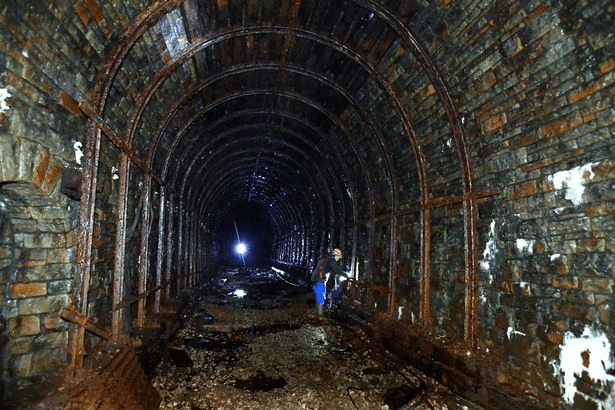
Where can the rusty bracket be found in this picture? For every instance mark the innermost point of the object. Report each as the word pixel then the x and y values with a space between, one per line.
pixel 436 203
pixel 126 303
pixel 69 313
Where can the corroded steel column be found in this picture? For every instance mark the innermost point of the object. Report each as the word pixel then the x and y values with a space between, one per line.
pixel 160 248
pixel 120 248
pixel 83 257
pixel 170 241
pixel 179 265
pixel 143 270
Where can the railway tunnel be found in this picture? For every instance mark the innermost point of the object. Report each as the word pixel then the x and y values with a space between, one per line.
pixel 459 152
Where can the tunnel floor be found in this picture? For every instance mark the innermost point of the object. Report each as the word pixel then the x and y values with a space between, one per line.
pixel 252 340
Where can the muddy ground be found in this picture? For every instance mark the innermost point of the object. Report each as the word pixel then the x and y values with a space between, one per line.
pixel 252 340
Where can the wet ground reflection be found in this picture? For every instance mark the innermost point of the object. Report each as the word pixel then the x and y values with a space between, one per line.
pixel 264 348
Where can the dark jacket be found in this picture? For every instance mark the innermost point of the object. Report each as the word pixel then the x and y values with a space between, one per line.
pixel 327 265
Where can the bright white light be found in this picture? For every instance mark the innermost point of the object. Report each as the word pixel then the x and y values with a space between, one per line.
pixel 241 248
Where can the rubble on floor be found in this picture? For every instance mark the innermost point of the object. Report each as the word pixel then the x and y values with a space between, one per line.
pixel 252 341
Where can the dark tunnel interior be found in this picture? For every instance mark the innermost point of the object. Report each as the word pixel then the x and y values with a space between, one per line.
pixel 459 152
pixel 247 223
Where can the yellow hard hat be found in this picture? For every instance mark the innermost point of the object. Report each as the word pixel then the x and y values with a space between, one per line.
pixel 338 252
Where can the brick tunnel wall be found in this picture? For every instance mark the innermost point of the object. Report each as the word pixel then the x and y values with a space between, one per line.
pixel 47 61
pixel 533 82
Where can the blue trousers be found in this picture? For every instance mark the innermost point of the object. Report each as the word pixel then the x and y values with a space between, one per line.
pixel 320 292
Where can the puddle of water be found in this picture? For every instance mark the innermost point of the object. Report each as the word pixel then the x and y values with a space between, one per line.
pixel 398 397
pixel 180 358
pixel 213 345
pixel 260 382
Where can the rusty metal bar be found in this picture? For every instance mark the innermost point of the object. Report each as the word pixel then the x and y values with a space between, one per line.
pixel 393 268
pixel 436 203
pixel 465 165
pixel 169 243
pixel 143 270
pixel 120 248
pixel 125 303
pixel 70 314
pixel 83 257
pixel 160 255
pixel 180 246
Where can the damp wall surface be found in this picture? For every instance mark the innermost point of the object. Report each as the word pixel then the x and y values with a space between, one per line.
pixel 532 84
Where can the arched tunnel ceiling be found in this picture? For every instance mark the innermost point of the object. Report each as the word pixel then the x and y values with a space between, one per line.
pixel 297 106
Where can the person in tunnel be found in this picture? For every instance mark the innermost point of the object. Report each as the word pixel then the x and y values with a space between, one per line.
pixel 328 270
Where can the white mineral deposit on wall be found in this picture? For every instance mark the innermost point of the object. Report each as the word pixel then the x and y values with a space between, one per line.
pixel 573 181
pixel 591 353
pixel 4 94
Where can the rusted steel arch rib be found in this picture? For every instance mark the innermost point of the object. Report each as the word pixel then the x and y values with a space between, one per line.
pixel 100 92
pixel 129 37
pixel 232 186
pixel 301 98
pixel 229 187
pixel 201 87
pixel 190 51
pixel 465 164
pixel 318 173
pixel 202 203
pixel 210 193
pixel 237 158
pixel 148 92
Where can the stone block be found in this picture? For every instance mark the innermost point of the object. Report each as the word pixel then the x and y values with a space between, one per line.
pixel 53 322
pixel 561 125
pixel 564 282
pixel 36 254
pixel 591 245
pixel 597 285
pixel 45 304
pixel 21 345
pixel 11 308
pixel 57 287
pixel 51 340
pixel 494 122
pixel 6 251
pixel 24 326
pixel 607 66
pixel 49 362
pixel 26 290
pixel 40 168
pixel 21 365
pixel 69 103
pixel 53 174
pixel 527 188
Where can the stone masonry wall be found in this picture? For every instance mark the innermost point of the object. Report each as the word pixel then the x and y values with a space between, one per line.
pixel 37 250
pixel 50 53
pixel 534 83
